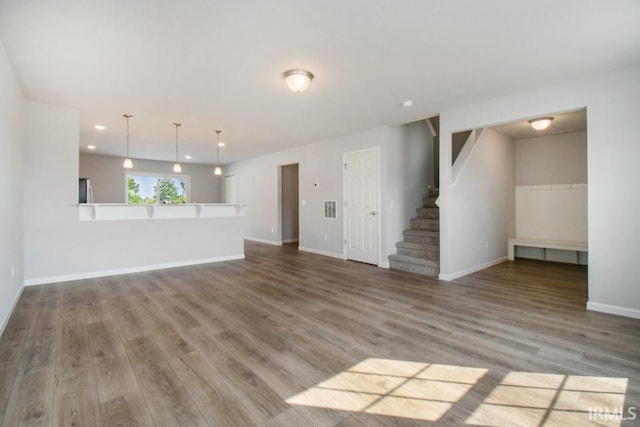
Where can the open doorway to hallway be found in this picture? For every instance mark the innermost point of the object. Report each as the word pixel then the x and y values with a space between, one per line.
pixel 289 205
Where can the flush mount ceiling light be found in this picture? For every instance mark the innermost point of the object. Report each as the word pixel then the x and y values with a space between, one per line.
pixel 218 170
pixel 540 124
pixel 128 164
pixel 297 80
pixel 91 147
pixel 176 167
pixel 100 127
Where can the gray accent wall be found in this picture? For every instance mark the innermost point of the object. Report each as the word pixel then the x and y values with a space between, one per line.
pixel 108 177
pixel 11 180
pixel 552 159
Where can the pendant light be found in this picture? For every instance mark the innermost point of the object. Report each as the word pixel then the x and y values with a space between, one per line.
pixel 218 170
pixel 128 164
pixel 176 167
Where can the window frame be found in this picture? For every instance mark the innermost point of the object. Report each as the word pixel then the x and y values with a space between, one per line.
pixel 187 178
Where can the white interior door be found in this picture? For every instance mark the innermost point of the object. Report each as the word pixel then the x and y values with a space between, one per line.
pixel 230 189
pixel 361 192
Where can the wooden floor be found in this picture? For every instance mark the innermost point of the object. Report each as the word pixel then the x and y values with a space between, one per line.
pixel 267 340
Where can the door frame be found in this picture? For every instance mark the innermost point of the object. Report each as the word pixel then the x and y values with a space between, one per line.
pixel 344 194
pixel 279 221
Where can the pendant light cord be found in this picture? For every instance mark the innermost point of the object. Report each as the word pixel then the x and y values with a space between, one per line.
pixel 177 125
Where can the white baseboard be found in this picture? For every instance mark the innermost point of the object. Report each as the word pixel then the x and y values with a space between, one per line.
pixel 320 252
pixel 115 272
pixel 384 265
pixel 268 242
pixel 5 321
pixel 290 240
pixel 613 309
pixel 457 274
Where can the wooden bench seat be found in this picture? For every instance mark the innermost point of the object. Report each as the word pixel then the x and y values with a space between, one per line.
pixel 547 244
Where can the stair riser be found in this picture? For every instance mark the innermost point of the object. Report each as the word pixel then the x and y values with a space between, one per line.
pixel 416 253
pixel 429 202
pixel 421 239
pixel 425 224
pixel 428 213
pixel 418 269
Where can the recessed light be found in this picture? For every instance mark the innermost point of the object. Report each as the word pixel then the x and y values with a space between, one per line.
pixel 221 144
pixel 407 103
pixel 91 147
pixel 100 127
pixel 188 157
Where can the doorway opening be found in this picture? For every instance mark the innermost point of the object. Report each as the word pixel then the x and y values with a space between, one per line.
pixel 289 205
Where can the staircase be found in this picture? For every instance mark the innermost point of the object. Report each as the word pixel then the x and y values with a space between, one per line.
pixel 420 251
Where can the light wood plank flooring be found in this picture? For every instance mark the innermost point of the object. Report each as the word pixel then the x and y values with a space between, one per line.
pixel 292 339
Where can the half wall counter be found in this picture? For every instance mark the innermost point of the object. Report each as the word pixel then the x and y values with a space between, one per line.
pixel 104 239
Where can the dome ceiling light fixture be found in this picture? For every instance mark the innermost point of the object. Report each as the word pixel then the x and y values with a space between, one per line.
pixel 540 124
pixel 298 80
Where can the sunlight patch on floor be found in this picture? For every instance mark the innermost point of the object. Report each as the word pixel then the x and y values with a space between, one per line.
pixel 533 399
pixel 426 391
pixel 394 388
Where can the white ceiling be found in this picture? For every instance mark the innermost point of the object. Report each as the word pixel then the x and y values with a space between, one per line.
pixel 572 121
pixel 216 64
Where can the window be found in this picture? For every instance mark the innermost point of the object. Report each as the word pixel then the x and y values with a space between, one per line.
pixel 156 189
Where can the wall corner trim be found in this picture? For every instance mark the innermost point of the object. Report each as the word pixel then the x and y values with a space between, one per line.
pixel 457 274
pixel 5 321
pixel 129 270
pixel 266 241
pixel 320 252
pixel 613 309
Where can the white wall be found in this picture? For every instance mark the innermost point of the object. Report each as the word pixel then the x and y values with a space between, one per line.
pixel 482 205
pixel 11 182
pixel 612 101
pixel 107 177
pixel 552 159
pixel 404 177
pixel 58 246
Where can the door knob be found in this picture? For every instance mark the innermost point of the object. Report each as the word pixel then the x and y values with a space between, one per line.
pixel 373 213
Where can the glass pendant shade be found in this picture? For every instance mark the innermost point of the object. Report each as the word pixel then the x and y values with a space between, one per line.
pixel 217 170
pixel 177 168
pixel 128 164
